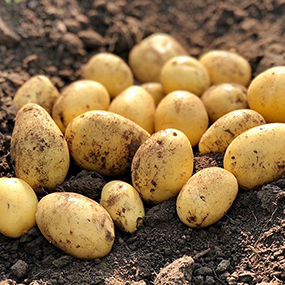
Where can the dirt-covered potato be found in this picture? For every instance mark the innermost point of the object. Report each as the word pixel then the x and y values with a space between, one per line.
pixel 227 128
pixel 76 224
pixel 38 150
pixel 155 89
pixel 124 204
pixel 109 70
pixel 78 98
pixel 148 57
pixel 40 90
pixel 206 197
pixel 184 111
pixel 18 204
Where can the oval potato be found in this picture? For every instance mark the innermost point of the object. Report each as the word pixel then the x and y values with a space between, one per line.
pixel 155 89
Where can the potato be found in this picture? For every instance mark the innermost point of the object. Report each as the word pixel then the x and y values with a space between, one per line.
pixel 18 203
pixel 78 98
pixel 39 151
pixel 266 94
pixel 257 156
pixel 162 165
pixel 184 111
pixel 206 197
pixel 76 224
pixel 136 104
pixel 40 90
pixel 226 67
pixel 223 98
pixel 185 73
pixel 104 142
pixel 109 70
pixel 155 89
pixel 148 57
pixel 124 204
pixel 227 128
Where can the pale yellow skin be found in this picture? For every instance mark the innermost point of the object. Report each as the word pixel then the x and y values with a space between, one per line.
pixel 18 204
pixel 40 90
pixel 162 165
pixel 223 98
pixel 104 142
pixel 185 73
pixel 257 156
pixel 226 67
pixel 266 94
pixel 218 137
pixel 148 57
pixel 155 89
pixel 109 70
pixel 136 104
pixel 184 111
pixel 76 224
pixel 124 204
pixel 206 197
pixel 39 151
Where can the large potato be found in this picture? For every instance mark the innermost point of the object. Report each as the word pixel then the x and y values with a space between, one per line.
pixel 39 151
pixel 206 197
pixel 155 89
pixel 76 224
pixel 104 142
pixel 227 128
pixel 18 204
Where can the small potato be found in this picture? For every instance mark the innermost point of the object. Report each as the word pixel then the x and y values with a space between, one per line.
pixel 183 111
pixel 109 70
pixel 136 104
pixel 148 57
pixel 78 98
pixel 155 89
pixel 227 128
pixel 206 197
pixel 40 90
pixel 76 224
pixel 18 204
pixel 223 98
pixel 124 204
pixel 226 67
pixel 185 73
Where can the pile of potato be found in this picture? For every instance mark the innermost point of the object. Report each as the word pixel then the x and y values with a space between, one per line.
pixel 108 125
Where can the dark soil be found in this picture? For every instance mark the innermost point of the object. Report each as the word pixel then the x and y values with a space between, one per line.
pixel 55 37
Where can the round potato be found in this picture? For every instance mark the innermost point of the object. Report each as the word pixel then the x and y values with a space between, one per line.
pixel 148 57
pixel 76 224
pixel 18 204
pixel 155 89
pixel 183 111
pixel 109 70
pixel 78 98
pixel 226 67
pixel 206 197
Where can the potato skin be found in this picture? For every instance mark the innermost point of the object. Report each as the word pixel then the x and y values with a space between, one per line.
pixel 206 197
pixel 155 89
pixel 76 224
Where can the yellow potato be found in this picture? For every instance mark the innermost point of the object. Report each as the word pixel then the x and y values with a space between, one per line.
pixel 18 204
pixel 136 104
pixel 183 111
pixel 226 67
pixel 162 165
pixel 39 151
pixel 155 89
pixel 109 70
pixel 40 90
pixel 76 224
pixel 124 204
pixel 148 57
pixel 227 128
pixel 266 94
pixel 185 73
pixel 104 142
pixel 206 197
pixel 78 98
pixel 223 98
pixel 257 156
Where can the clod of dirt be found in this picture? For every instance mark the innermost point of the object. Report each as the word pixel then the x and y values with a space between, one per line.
pixel 7 37
pixel 73 44
pixel 91 39
pixel 19 269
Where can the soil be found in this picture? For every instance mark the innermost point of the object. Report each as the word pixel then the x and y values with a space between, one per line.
pixel 56 37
